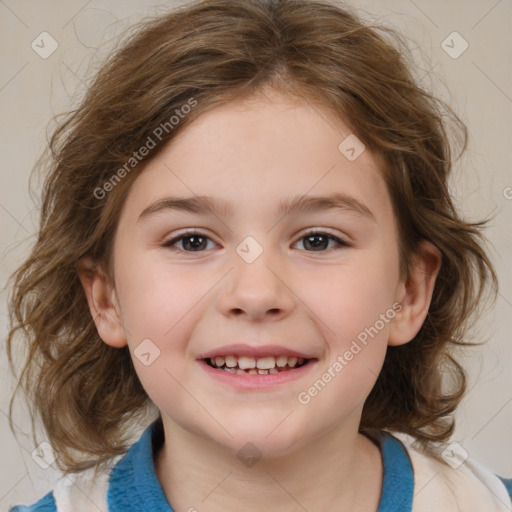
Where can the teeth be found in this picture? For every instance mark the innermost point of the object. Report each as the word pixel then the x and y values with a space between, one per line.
pixel 246 362
pixel 261 365
pixel 265 363
pixel 282 361
pixel 230 361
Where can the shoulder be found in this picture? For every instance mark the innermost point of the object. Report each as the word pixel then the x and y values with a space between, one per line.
pixel 82 492
pixel 507 482
pixel 89 490
pixel 456 482
pixel 45 504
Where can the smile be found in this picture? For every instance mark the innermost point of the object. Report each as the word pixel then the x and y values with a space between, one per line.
pixel 245 373
pixel 253 366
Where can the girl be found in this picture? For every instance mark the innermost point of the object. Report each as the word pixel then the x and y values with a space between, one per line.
pixel 248 246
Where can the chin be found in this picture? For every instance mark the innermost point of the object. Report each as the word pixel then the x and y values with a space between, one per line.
pixel 262 441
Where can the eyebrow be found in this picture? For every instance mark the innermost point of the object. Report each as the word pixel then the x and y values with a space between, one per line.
pixel 298 204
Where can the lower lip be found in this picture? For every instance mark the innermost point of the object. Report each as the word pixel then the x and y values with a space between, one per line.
pixel 256 381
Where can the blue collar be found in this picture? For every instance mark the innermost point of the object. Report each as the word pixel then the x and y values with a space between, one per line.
pixel 133 483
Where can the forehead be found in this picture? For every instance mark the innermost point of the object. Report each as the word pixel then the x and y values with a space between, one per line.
pixel 255 153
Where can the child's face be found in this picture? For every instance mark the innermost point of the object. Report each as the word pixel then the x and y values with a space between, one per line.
pixel 309 295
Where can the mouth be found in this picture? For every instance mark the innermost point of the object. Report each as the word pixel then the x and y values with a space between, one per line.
pixel 246 376
pixel 256 368
pixel 244 365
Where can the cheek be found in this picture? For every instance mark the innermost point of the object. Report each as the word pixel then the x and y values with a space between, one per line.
pixel 352 298
pixel 354 305
pixel 155 295
pixel 159 309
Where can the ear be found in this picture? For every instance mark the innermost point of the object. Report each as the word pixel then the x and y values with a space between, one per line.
pixel 415 294
pixel 103 303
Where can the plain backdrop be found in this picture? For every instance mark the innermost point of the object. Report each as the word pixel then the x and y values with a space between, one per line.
pixel 477 82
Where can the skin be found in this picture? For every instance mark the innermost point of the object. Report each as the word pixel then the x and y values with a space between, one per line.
pixel 255 153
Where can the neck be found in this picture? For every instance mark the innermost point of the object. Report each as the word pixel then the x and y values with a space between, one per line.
pixel 197 473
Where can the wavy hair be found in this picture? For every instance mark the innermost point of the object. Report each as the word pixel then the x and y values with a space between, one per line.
pixel 85 392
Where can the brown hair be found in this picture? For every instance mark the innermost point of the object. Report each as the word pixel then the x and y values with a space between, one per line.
pixel 214 51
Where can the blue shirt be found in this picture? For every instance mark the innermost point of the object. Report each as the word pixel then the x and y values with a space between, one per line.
pixel 133 484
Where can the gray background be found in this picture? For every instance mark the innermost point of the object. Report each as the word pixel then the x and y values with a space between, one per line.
pixel 477 84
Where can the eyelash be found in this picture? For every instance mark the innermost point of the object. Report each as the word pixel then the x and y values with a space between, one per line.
pixel 172 241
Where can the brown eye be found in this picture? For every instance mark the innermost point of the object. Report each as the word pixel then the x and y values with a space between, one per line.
pixel 314 241
pixel 191 242
pixel 318 241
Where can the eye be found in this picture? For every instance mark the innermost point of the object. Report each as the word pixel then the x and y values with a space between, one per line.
pixel 318 239
pixel 195 241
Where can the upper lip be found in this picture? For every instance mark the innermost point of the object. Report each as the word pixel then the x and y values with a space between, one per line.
pixel 251 351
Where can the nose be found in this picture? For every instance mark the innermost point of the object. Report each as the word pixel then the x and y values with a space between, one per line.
pixel 259 290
